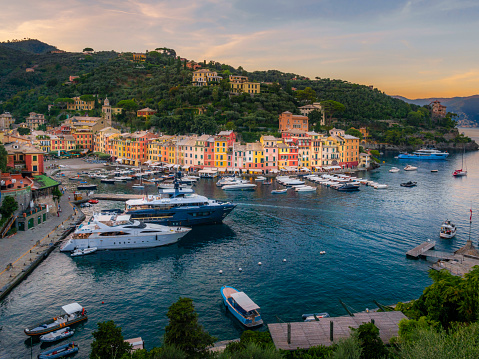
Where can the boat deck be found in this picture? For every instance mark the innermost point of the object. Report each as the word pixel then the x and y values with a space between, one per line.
pixel 228 291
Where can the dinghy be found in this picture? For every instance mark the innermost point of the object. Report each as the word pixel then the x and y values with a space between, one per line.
pixel 59 352
pixel 57 335
pixel 83 251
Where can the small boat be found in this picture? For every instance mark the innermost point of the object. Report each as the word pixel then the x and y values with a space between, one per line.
pixel 57 335
pixel 75 179
pixel 59 352
pixel 279 191
pixel 380 186
pixel 74 313
pixel 260 179
pixel 448 230
pixel 322 252
pixel 459 173
pixel 410 168
pixel 241 306
pixel 348 188
pixel 409 184
pixel 108 180
pixel 394 170
pixel 305 189
pixel 434 171
pixel 86 187
pixel 93 201
pixel 314 316
pixel 239 187
pixel 83 251
pixel 138 186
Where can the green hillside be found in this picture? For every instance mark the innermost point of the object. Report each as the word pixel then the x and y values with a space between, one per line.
pixel 29 45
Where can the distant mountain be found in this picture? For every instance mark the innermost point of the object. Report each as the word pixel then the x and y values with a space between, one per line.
pixel 467 108
pixel 29 45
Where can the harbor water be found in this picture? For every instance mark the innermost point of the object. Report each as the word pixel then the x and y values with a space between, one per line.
pixel 365 236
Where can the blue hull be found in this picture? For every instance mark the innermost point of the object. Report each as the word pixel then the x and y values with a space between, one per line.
pixel 59 352
pixel 192 216
pixel 435 157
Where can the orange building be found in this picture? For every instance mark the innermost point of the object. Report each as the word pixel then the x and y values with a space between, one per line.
pixel 25 157
pixel 145 112
pixel 288 121
pixel 438 110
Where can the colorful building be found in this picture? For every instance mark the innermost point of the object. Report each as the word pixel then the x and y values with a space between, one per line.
pixel 204 77
pixel 288 121
pixel 145 112
pixel 25 157
pixel 80 105
pixel 6 120
pixel 34 120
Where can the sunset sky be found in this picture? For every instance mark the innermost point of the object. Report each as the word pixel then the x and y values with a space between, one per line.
pixel 418 48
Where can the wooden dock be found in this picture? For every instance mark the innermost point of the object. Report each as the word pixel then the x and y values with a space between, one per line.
pixel 421 249
pixel 308 334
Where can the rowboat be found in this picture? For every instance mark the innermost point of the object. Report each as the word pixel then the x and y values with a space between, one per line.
pixel 241 306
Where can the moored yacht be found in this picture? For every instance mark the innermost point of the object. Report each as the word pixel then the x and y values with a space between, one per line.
pixel 424 154
pixel 448 230
pixel 109 231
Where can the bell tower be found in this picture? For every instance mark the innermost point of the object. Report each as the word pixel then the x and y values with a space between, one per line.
pixel 106 110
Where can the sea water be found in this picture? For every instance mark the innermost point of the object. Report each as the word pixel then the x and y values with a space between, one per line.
pixel 365 236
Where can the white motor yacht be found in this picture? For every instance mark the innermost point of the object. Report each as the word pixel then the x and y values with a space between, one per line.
pixel 448 230
pixel 107 231
pixel 410 168
pixel 394 170
pixel 239 187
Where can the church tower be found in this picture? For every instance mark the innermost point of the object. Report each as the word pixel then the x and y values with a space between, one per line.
pixel 106 109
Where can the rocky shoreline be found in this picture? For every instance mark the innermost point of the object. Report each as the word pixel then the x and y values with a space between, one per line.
pixel 470 146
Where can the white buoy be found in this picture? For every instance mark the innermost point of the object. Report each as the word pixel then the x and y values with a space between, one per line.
pixel 284 260
pixel 240 269
pixel 259 263
pixel 220 272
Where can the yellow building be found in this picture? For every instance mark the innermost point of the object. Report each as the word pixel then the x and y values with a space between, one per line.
pixel 100 139
pixel 221 152
pixel 248 87
pixel 203 77
pixel 139 57
pixel 80 105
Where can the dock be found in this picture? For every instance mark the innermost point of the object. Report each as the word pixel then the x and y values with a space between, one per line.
pixel 421 249
pixel 326 331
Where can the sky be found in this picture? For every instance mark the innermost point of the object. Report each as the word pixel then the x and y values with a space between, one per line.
pixel 416 49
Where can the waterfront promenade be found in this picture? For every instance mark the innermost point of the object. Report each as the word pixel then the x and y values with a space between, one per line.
pixel 20 253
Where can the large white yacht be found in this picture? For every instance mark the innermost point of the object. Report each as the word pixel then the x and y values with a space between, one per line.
pixel 110 231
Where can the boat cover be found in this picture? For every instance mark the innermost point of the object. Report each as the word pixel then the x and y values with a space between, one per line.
pixel 72 308
pixel 244 301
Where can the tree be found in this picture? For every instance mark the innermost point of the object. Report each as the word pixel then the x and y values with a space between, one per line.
pixel 371 344
pixel 331 107
pixel 108 342
pixel 253 351
pixel 56 193
pixel 87 49
pixel 354 132
pixel 9 206
pixel 184 331
pixel 308 95
pixel 3 158
pixel 87 98
pixel 349 348
pixel 23 131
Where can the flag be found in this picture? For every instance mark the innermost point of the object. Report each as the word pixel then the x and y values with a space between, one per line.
pixel 470 217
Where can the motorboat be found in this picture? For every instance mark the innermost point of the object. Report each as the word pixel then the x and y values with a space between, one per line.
pixel 83 251
pixel 448 230
pixel 111 231
pixel 239 187
pixel 59 352
pixel 314 316
pixel 57 335
pixel 75 178
pixel 108 180
pixel 93 201
pixel 348 188
pixel 380 186
pixel 305 189
pixel 241 306
pixel 138 186
pixel 178 207
pixel 86 187
pixel 410 168
pixel 74 313
pixel 434 171
pixel 260 179
pixel 424 154
pixel 279 191
pixel 394 170
pixel 409 184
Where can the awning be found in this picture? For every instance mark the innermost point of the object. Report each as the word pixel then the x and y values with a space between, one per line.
pixel 273 171
pixel 255 170
pixel 119 159
pixel 185 167
pixel 72 308
pixel 244 301
pixel 148 162
pixel 305 169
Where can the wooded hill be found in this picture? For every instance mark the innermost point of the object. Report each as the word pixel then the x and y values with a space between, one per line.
pixel 163 83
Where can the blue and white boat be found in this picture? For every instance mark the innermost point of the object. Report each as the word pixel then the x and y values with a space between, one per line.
pixel 59 352
pixel 424 154
pixel 241 306
pixel 57 335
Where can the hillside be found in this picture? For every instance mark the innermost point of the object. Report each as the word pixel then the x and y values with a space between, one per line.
pixel 467 108
pixel 28 45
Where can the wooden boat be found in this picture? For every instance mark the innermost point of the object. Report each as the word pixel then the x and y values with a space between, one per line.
pixel 59 352
pixel 74 313
pixel 83 251
pixel 409 184
pixel 241 306
pixel 57 335
pixel 86 187
pixel 314 316
pixel 279 191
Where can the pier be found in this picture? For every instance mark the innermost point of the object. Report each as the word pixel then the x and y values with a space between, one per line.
pixel 326 331
pixel 421 249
